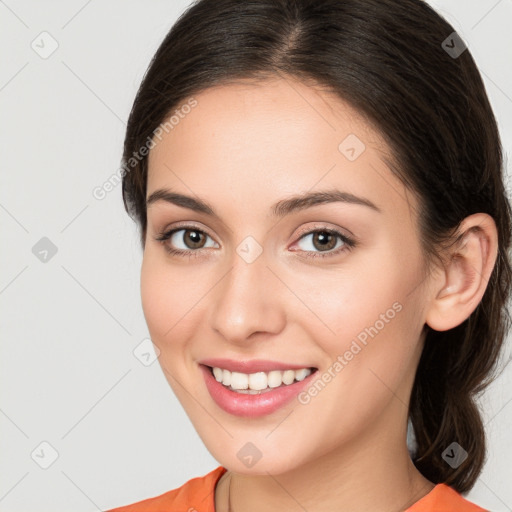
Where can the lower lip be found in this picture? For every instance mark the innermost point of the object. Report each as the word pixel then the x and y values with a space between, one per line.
pixel 251 406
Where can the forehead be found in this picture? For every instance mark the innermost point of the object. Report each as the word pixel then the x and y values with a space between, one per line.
pixel 251 142
pixel 296 111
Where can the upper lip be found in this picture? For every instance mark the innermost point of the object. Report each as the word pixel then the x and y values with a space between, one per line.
pixel 251 366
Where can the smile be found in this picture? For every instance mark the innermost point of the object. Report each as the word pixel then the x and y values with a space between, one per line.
pixel 259 382
pixel 263 388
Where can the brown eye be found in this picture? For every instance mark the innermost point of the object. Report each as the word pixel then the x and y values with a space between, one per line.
pixel 324 241
pixel 193 239
pixel 185 240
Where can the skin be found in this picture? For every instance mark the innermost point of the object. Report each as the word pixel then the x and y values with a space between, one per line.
pixel 244 147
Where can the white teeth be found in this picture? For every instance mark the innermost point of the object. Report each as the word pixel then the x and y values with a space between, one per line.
pixel 255 382
pixel 226 377
pixel 239 380
pixel 218 374
pixel 258 381
pixel 274 379
pixel 302 374
pixel 288 376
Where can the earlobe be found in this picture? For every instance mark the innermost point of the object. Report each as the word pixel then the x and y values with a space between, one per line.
pixel 461 286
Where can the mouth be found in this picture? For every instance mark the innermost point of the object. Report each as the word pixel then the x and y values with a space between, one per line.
pixel 259 382
pixel 257 393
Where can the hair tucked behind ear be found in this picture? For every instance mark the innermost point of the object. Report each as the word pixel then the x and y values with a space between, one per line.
pixel 385 58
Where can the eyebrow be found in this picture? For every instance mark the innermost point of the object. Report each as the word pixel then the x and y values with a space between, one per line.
pixel 279 209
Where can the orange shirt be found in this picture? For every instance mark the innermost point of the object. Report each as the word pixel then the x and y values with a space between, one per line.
pixel 197 495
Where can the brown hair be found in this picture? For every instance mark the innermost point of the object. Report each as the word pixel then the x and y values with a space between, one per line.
pixel 385 58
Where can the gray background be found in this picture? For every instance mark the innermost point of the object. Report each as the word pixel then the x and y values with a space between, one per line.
pixel 70 324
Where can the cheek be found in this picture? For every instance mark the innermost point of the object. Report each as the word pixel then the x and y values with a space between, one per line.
pixel 166 297
pixel 155 303
pixel 353 303
pixel 374 294
pixel 371 327
pixel 167 303
pixel 374 344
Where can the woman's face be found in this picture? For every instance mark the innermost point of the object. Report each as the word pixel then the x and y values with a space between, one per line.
pixel 282 284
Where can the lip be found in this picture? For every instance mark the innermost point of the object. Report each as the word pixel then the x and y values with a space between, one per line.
pixel 252 366
pixel 252 406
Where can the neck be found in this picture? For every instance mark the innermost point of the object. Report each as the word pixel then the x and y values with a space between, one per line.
pixel 374 473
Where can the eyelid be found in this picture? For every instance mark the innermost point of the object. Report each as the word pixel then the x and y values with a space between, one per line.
pixel 318 226
pixel 350 241
pixel 303 231
pixel 183 224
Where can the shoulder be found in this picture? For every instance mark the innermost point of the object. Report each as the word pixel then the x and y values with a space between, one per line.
pixel 196 495
pixel 443 498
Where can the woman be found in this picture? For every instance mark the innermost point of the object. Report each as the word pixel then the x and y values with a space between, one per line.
pixel 318 186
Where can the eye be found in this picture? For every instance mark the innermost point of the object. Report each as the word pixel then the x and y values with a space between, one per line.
pixel 185 240
pixel 328 241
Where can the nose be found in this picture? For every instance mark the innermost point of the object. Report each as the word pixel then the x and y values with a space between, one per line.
pixel 248 300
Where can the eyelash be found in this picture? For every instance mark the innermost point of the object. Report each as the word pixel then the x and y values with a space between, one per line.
pixel 192 253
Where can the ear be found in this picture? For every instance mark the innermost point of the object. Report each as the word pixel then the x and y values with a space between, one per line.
pixel 459 288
